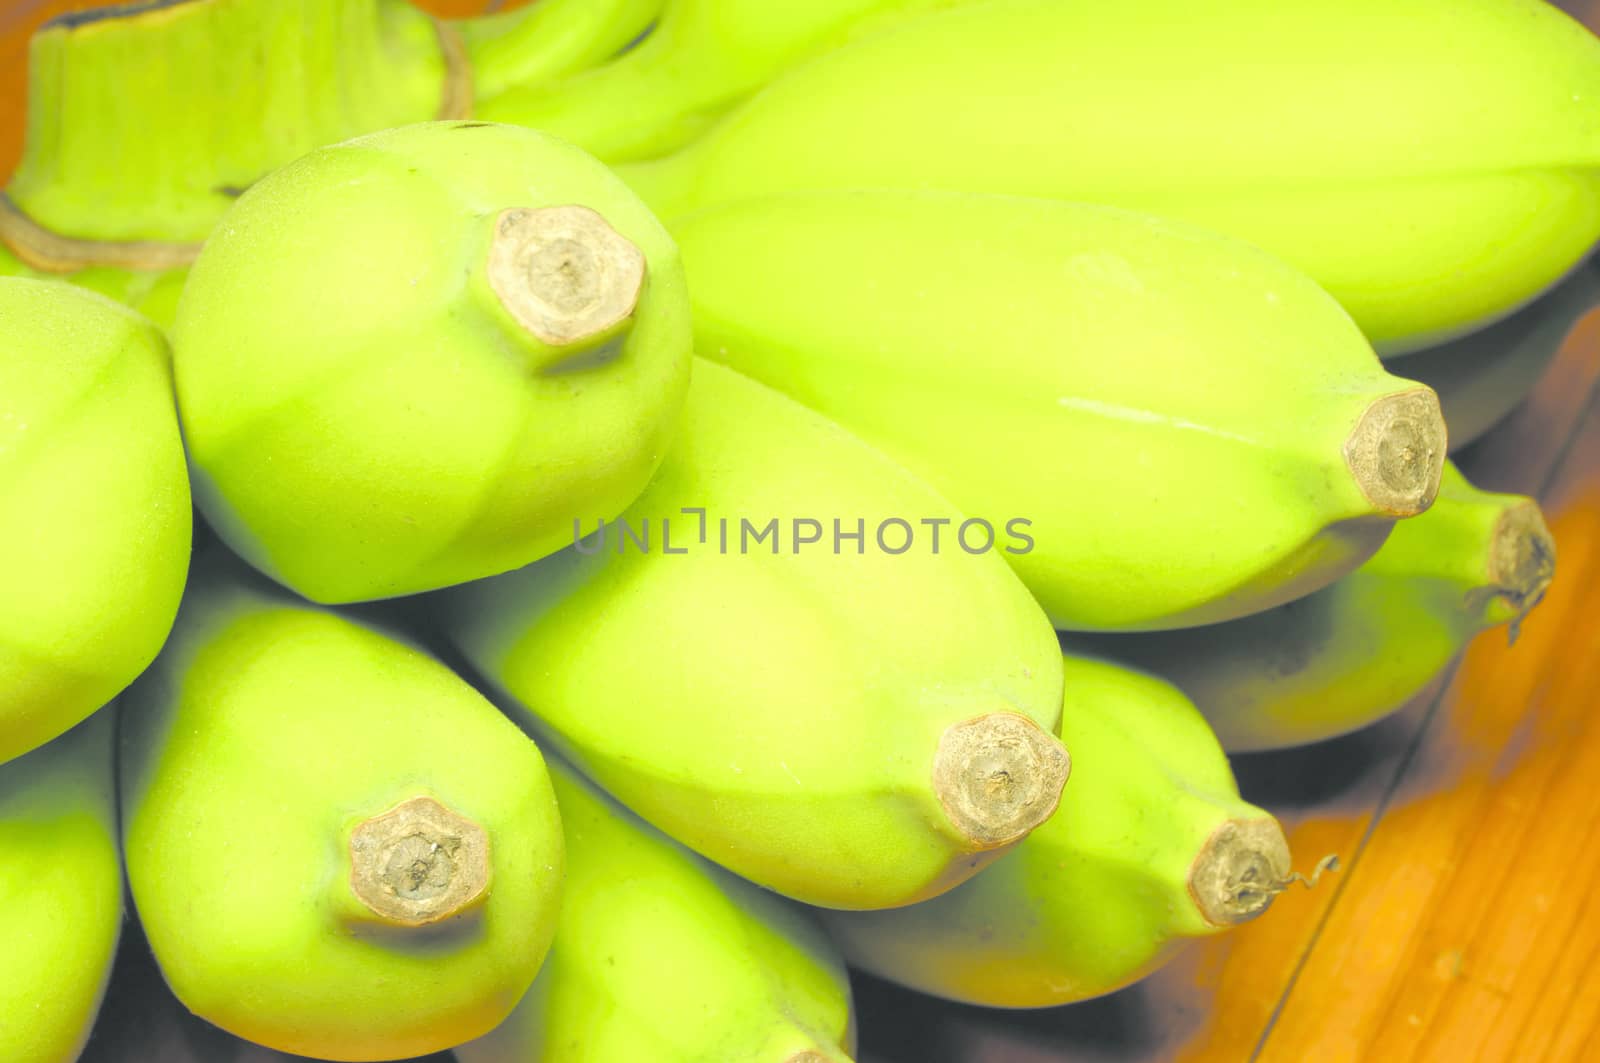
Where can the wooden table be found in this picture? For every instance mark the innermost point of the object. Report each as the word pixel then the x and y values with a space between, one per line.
pixel 1465 922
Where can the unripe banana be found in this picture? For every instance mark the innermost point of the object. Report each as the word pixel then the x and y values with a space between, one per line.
pixel 1152 846
pixel 337 848
pixel 661 955
pixel 703 57
pixel 153 293
pixel 856 723
pixel 1318 132
pixel 1482 377
pixel 547 40
pixel 1194 430
pixel 413 359
pixel 1349 655
pixel 61 881
pixel 96 543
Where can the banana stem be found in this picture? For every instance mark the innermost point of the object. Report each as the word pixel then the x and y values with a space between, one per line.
pixel 418 863
pixel 145 122
pixel 1241 868
pixel 567 278
pixel 999 776
pixel 1396 452
pixel 1522 562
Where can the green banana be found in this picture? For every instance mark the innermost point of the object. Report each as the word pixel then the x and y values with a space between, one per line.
pixel 336 847
pixel 151 293
pixel 1348 655
pixel 1152 846
pixel 90 453
pixel 660 955
pixel 1318 132
pixel 62 883
pixel 1194 430
pixel 704 57
pixel 852 720
pixel 549 40
pixel 1482 377
pixel 412 359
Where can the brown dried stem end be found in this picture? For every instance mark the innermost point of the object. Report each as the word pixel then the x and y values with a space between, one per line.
pixel 564 273
pixel 1522 556
pixel 1396 452
pixel 808 1056
pixel 998 777
pixel 1240 869
pixel 418 863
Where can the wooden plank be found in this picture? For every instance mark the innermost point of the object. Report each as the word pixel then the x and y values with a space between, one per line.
pixel 1466 923
pixel 1219 1001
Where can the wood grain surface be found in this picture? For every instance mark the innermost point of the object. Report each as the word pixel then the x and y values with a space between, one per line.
pixel 1465 920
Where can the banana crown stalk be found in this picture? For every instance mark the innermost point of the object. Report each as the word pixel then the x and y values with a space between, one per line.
pixel 1218 435
pixel 1356 651
pixel 144 124
pixel 117 149
pixel 661 955
pixel 1152 846
pixel 1314 131
pixel 62 884
pixel 337 848
pixel 414 358
pixel 92 467
pixel 830 711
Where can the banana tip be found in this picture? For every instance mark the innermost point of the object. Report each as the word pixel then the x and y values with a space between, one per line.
pixel 998 777
pixel 1396 452
pixel 1240 869
pixel 418 863
pixel 1522 556
pixel 564 274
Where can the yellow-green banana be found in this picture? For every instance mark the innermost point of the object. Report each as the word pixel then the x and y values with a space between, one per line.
pixel 1432 163
pixel 547 40
pixel 337 847
pixel 853 721
pixel 1193 430
pixel 153 293
pixel 703 57
pixel 1348 655
pixel 1482 377
pixel 414 358
pixel 61 881
pixel 661 955
pixel 1152 846
pixel 95 544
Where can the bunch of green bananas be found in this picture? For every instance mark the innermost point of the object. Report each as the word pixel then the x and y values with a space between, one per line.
pixel 851 531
